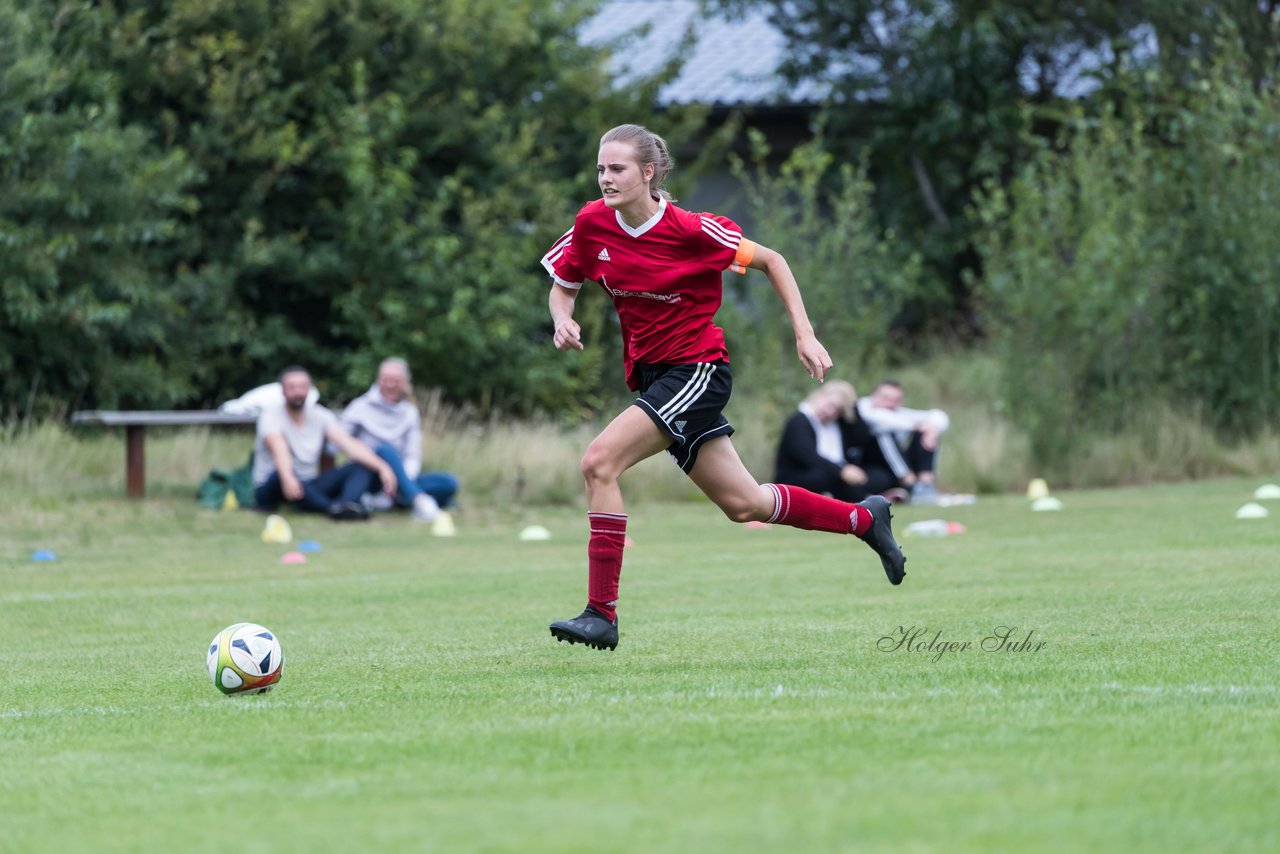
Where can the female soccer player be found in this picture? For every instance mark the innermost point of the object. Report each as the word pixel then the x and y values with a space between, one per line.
pixel 661 266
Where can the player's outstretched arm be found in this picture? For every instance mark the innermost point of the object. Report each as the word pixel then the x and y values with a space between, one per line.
pixel 812 354
pixel 568 335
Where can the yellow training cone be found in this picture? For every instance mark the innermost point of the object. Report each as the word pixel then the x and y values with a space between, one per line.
pixel 443 525
pixel 1037 489
pixel 230 502
pixel 276 530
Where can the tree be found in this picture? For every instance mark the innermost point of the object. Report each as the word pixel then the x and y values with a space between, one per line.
pixel 854 275
pixel 936 90
pixel 933 89
pixel 319 181
pixel 90 211
pixel 380 176
pixel 1130 266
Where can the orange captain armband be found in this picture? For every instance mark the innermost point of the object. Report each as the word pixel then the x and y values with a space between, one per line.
pixel 746 251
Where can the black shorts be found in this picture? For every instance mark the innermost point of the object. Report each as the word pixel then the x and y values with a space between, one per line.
pixel 686 402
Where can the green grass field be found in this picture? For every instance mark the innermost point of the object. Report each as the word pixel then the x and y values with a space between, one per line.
pixel 751 704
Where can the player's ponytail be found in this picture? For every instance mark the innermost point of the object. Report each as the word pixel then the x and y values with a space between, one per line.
pixel 649 148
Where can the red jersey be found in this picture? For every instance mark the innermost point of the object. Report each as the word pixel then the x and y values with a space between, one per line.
pixel 663 278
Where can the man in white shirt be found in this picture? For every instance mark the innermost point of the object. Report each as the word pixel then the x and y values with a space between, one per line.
pixel 291 437
pixel 908 438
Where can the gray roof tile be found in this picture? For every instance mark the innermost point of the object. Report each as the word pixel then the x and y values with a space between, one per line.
pixel 733 61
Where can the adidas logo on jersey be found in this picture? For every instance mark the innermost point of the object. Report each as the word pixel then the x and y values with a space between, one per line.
pixel 604 255
pixel 680 425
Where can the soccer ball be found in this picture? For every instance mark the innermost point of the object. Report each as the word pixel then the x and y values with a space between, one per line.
pixel 245 659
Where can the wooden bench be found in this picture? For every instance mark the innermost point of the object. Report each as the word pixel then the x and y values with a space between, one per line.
pixel 135 426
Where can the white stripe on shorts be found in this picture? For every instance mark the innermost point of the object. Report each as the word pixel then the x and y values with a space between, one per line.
pixel 692 390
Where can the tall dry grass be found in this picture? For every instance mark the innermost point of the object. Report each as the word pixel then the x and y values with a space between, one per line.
pixel 986 452
pixel 508 463
pixel 531 462
pixel 50 460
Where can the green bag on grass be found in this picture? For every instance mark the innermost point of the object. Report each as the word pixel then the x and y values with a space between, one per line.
pixel 220 483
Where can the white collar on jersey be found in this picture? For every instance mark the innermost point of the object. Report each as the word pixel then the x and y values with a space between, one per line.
pixel 647 224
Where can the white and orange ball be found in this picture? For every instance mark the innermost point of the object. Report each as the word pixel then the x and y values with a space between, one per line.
pixel 245 659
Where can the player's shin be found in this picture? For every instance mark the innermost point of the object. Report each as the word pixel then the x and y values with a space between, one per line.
pixel 801 508
pixel 604 560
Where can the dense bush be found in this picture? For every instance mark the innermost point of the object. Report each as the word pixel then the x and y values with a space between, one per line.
pixel 1132 266
pixel 194 194
pixel 853 276
pixel 92 209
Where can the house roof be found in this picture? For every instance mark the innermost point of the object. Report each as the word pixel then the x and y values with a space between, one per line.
pixel 733 61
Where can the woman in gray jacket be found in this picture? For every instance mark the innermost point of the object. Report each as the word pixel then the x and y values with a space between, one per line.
pixel 386 420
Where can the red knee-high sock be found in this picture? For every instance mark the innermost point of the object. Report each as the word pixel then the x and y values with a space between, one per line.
pixel 801 508
pixel 604 560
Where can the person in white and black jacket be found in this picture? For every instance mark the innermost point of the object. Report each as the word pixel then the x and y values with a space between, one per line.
pixel 826 448
pixel 908 438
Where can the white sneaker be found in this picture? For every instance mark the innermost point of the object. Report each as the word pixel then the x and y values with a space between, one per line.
pixel 425 508
pixel 924 493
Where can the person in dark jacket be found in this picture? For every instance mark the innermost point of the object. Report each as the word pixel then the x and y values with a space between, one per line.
pixel 827 448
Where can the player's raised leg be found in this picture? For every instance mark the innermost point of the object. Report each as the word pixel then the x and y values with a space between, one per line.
pixel 720 474
pixel 629 438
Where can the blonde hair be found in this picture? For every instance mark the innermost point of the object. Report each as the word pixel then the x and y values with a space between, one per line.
pixel 396 361
pixel 841 392
pixel 399 363
pixel 650 149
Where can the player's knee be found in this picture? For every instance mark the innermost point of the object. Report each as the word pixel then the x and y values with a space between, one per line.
pixel 598 466
pixel 743 509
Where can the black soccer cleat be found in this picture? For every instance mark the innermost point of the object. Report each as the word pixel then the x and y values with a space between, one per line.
pixel 880 537
pixel 590 627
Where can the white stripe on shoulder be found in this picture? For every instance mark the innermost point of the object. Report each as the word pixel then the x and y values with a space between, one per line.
pixel 718 237
pixel 560 245
pixel 710 224
pixel 565 240
pixel 554 254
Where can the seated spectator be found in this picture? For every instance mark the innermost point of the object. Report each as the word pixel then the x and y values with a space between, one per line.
pixel 908 438
pixel 826 448
pixel 286 460
pixel 386 420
